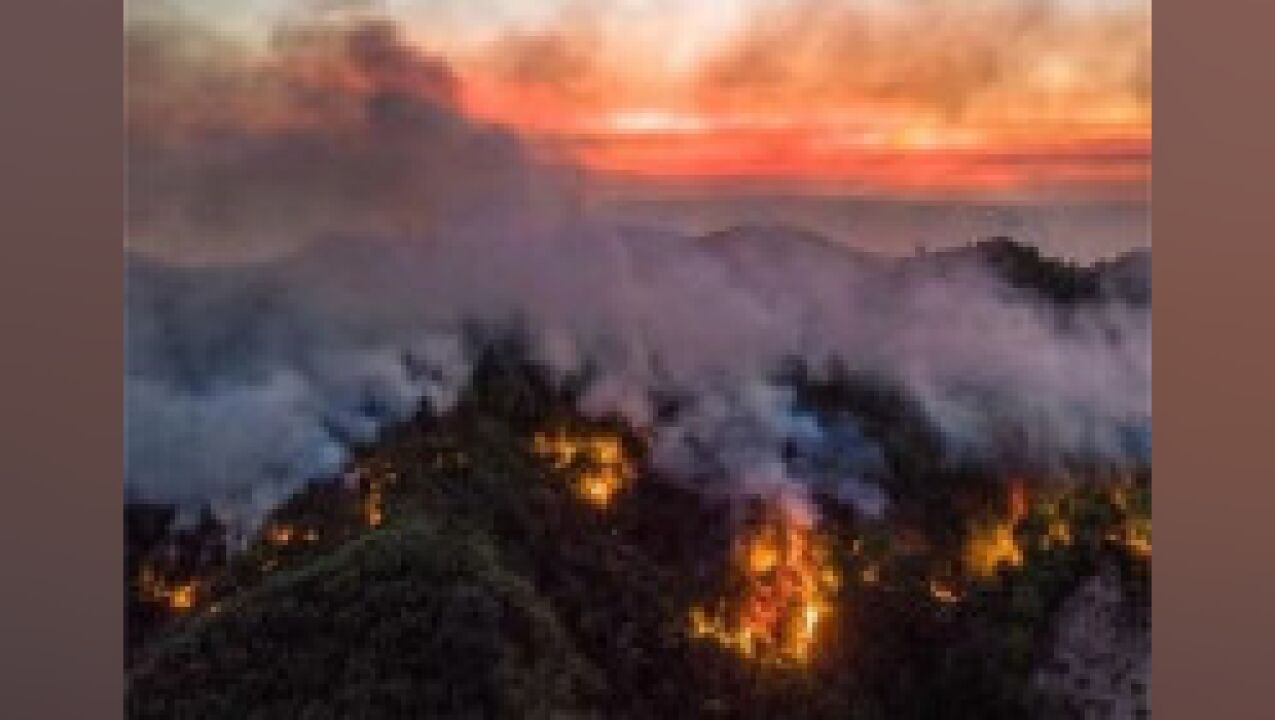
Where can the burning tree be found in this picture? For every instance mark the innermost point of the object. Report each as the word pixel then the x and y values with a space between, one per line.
pixel 600 467
pixel 177 596
pixel 992 542
pixel 786 584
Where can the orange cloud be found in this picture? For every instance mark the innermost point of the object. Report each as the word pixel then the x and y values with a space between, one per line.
pixel 808 159
pixel 990 95
pixel 978 96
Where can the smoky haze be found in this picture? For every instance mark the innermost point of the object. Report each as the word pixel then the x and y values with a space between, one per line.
pixel 312 226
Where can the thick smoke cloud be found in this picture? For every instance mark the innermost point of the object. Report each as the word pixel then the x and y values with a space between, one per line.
pixel 333 127
pixel 245 381
pixel 303 260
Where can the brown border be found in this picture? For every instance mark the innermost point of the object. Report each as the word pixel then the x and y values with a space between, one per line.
pixel 61 448
pixel 1214 289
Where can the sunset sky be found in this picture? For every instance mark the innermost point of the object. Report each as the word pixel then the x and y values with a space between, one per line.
pixel 887 97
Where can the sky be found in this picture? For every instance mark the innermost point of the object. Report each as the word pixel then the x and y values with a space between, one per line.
pixel 915 98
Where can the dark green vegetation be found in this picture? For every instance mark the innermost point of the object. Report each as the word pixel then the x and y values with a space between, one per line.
pixel 406 622
pixel 489 590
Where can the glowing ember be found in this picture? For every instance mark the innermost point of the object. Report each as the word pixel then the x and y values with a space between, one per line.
pixel 182 597
pixel 992 544
pixel 1118 494
pixel 179 597
pixel 1134 532
pixel 787 583
pixel 281 534
pixel 1017 501
pixel 373 502
pixel 1058 532
pixel 1137 536
pixel 943 592
pixel 601 467
pixel 1057 524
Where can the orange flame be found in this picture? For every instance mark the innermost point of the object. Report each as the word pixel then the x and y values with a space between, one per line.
pixel 179 597
pixel 602 469
pixel 1135 530
pixel 993 544
pixel 788 583
pixel 373 504
pixel 369 479
pixel 871 574
pixel 1058 526
pixel 1137 537
pixel 943 592
pixel 281 534
pixel 1017 500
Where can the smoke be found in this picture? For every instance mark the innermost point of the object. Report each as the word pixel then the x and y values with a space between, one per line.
pixel 313 227
pixel 245 381
pixel 334 126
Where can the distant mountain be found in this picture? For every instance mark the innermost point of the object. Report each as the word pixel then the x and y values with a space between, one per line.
pixel 1023 266
pixel 781 248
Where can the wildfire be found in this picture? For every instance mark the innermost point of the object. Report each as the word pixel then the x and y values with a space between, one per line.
pixel 787 583
pixel 373 504
pixel 943 592
pixel 1017 501
pixel 602 469
pixel 1135 530
pixel 1118 495
pixel 179 597
pixel 871 575
pixel 1137 536
pixel 369 479
pixel 992 544
pixel 281 534
pixel 1058 532
pixel 1057 526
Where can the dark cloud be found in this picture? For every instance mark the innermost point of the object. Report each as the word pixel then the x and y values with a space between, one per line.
pixel 335 128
